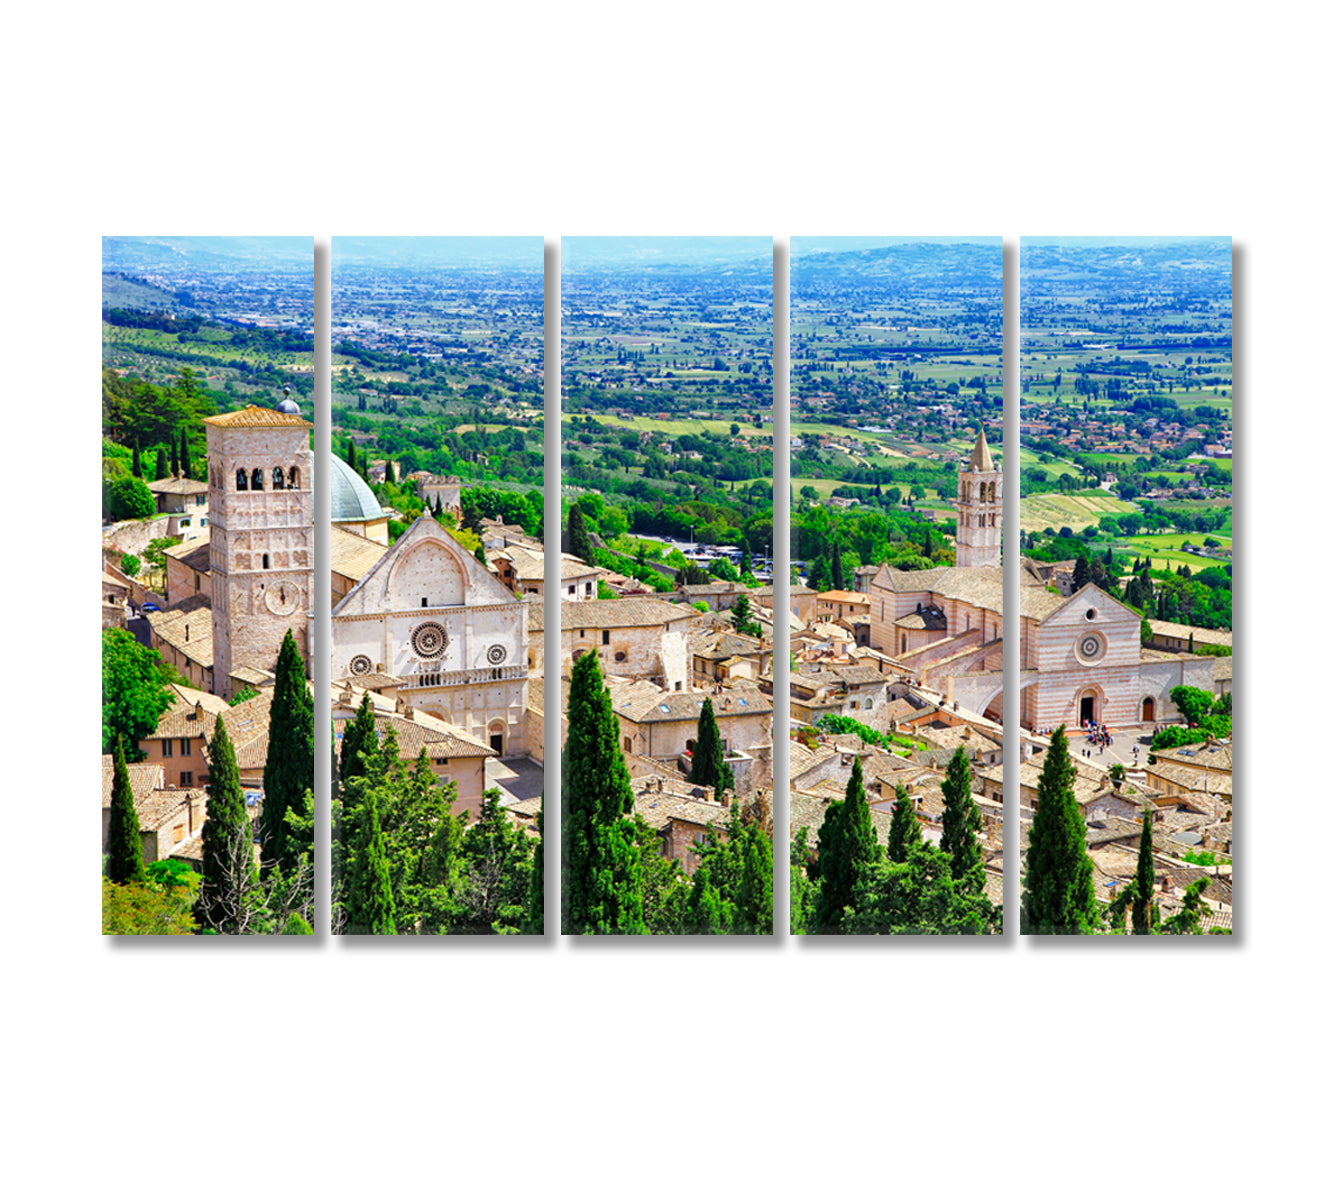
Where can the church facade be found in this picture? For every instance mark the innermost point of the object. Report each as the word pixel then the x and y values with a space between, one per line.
pixel 429 614
pixel 1080 657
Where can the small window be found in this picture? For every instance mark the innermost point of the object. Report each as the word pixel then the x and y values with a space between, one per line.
pixel 266 562
pixel 187 779
pixel 424 604
pixel 185 747
pixel 256 480
pixel 242 484
pixel 277 479
pixel 166 747
pixel 294 477
pixel 606 637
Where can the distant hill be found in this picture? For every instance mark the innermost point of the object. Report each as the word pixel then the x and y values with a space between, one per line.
pixel 439 253
pixel 968 266
pixel 120 292
pixel 1079 265
pixel 747 256
pixel 165 254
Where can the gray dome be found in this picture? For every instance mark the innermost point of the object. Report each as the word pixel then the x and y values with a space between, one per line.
pixel 350 498
pixel 289 406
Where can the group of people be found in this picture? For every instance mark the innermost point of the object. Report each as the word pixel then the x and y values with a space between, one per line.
pixel 1097 736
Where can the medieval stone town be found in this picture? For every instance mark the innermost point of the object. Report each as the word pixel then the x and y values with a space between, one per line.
pixel 918 656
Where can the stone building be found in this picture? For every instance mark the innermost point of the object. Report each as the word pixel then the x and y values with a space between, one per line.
pixel 979 503
pixel 261 538
pixel 429 614
pixel 633 637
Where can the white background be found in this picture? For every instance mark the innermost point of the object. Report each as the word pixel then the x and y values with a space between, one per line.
pixel 494 1069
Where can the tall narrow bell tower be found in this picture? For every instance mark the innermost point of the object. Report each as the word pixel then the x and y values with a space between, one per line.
pixel 979 502
pixel 262 543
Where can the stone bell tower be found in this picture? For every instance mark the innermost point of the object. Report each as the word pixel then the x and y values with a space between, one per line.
pixel 262 543
pixel 979 503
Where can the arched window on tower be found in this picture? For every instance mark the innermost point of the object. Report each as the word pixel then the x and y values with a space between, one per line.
pixel 266 562
pixel 277 479
pixel 256 480
pixel 241 482
pixel 294 477
pixel 991 492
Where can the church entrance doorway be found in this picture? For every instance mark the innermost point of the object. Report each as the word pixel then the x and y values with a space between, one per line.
pixel 1086 708
pixel 1146 710
pixel 498 743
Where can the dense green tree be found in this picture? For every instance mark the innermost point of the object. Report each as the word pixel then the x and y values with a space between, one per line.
pixel 1142 914
pixel 359 737
pixel 136 464
pixel 161 469
pixel 707 912
pixel 185 454
pixel 127 499
pixel 741 620
pixel 535 919
pixel 918 896
pixel 707 765
pixel 125 851
pixel 1058 873
pixel 289 769
pixel 960 824
pixel 601 871
pixel 905 831
pixel 497 875
pixel 1082 573
pixel 847 847
pixel 134 691
pixel 229 876
pixel 577 540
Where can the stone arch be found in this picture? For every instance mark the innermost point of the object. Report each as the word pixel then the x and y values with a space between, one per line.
pixel 242 482
pixel 277 479
pixel 257 480
pixel 294 477
pixel 430 572
pixel 496 736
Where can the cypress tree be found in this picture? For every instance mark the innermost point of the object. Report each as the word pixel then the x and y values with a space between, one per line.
pixel 847 846
pixel 1058 873
pixel 536 917
pixel 125 850
pixel 160 469
pixel 175 459
pixel 755 892
pixel 359 737
pixel 1082 572
pixel 185 453
pixel 601 872
pixel 136 463
pixel 707 766
pixel 577 541
pixel 289 769
pixel 1141 912
pixel 226 832
pixel 960 822
pixel 706 911
pixel 904 831
pixel 370 899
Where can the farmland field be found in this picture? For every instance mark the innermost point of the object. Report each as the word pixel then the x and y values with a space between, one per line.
pixel 1078 511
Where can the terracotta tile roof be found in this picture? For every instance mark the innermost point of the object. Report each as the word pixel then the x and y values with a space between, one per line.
pixel 144 778
pixel 254 417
